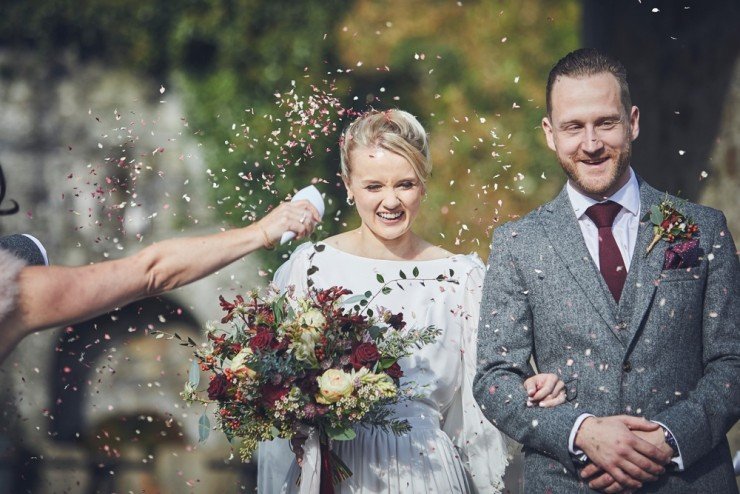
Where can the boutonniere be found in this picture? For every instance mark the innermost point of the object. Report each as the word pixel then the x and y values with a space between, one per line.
pixel 669 224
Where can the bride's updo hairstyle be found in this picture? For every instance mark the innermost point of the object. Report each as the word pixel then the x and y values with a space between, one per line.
pixel 394 130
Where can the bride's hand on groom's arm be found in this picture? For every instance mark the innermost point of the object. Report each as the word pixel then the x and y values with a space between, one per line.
pixel 545 390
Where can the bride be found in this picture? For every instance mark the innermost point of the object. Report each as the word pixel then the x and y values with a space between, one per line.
pixel 451 446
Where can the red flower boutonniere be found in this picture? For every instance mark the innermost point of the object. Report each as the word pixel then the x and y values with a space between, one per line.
pixel 670 224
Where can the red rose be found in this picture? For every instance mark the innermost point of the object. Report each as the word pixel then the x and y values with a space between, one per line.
pixel 271 394
pixel 394 371
pixel 218 387
pixel 396 321
pixel 364 355
pixel 260 341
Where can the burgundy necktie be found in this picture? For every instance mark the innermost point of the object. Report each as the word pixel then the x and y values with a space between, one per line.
pixel 611 263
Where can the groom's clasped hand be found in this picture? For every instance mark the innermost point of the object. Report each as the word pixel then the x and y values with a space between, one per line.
pixel 624 451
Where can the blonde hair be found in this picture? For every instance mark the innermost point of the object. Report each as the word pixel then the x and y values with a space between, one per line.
pixel 396 131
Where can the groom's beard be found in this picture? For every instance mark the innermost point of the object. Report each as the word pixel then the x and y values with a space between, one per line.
pixel 622 158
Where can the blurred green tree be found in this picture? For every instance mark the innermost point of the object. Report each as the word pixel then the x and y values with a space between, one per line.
pixel 258 78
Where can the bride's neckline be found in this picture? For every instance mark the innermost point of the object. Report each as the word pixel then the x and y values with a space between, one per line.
pixel 373 259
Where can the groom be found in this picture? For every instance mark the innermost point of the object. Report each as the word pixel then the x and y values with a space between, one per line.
pixel 646 339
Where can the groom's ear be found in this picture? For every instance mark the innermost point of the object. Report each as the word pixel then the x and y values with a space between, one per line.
pixel 634 123
pixel 547 128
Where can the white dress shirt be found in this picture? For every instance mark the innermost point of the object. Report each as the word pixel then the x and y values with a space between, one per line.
pixel 625 228
pixel 626 223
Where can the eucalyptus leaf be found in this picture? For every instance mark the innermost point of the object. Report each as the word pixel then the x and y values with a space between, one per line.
pixel 380 278
pixel 656 217
pixel 386 290
pixel 194 374
pixel 416 272
pixel 402 274
pixel 204 427
pixel 353 300
pixel 386 362
pixel 374 332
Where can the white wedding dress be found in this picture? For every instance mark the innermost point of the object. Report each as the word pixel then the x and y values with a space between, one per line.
pixel 451 446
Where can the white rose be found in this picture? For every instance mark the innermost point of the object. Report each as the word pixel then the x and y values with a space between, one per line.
pixel 238 363
pixel 313 318
pixel 334 384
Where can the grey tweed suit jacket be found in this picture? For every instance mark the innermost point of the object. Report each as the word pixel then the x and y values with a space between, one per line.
pixel 669 351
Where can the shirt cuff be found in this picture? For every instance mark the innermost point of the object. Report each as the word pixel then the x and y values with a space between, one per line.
pixel 678 460
pixel 574 431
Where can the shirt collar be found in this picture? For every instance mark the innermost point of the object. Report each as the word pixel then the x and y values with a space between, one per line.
pixel 628 197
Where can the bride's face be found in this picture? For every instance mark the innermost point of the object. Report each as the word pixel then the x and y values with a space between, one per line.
pixel 386 191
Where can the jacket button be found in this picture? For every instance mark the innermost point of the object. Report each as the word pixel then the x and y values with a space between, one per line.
pixel 627 366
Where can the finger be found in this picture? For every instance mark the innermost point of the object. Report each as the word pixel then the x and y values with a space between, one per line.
pixel 655 456
pixel 309 208
pixel 638 423
pixel 553 401
pixel 559 386
pixel 590 470
pixel 640 467
pixel 531 385
pixel 546 387
pixel 624 479
pixel 602 481
pixel 615 488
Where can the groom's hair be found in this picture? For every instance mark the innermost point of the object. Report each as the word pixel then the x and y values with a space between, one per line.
pixel 586 62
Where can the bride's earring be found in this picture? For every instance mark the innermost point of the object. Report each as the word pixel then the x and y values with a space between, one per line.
pixel 350 201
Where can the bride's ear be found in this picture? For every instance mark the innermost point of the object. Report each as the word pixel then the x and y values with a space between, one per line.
pixel 346 182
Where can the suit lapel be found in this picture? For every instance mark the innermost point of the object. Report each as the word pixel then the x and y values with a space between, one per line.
pixel 647 266
pixel 561 227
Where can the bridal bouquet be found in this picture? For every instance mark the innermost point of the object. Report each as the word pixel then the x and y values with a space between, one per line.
pixel 285 367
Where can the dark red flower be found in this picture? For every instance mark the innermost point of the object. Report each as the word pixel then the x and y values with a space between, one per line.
pixel 229 307
pixel 394 371
pixel 396 321
pixel 261 341
pixel 364 355
pixel 331 295
pixel 349 321
pixel 218 387
pixel 271 394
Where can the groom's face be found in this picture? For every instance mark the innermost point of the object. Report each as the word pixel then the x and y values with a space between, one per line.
pixel 591 132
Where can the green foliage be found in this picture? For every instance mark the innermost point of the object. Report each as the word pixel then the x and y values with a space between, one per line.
pixel 473 72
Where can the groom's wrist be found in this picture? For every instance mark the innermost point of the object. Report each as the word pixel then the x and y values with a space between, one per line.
pixel 573 447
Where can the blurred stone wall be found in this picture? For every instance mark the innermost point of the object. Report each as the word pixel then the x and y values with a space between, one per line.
pixel 104 163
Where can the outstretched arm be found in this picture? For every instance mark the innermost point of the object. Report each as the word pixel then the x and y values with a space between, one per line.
pixel 55 296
